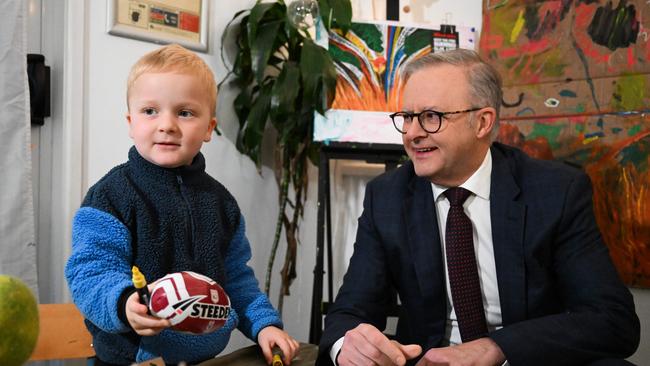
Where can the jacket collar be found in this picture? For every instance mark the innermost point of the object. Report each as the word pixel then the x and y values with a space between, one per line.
pixel 508 215
pixel 148 170
pixel 423 235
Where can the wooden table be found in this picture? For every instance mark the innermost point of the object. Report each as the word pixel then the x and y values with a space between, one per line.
pixel 252 356
pixel 62 334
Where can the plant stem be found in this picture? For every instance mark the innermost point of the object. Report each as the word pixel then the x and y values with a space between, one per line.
pixel 284 190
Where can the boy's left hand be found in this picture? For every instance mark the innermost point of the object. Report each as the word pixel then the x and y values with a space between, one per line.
pixel 138 318
pixel 272 336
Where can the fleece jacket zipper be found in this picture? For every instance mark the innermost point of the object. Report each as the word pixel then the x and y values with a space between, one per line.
pixel 183 189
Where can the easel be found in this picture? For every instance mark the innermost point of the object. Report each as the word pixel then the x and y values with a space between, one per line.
pixel 388 154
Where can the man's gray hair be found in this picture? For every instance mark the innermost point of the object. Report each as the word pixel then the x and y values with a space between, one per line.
pixel 484 80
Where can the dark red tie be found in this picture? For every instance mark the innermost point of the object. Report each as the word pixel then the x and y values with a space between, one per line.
pixel 462 268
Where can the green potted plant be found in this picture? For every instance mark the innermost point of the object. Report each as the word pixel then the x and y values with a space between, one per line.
pixel 283 77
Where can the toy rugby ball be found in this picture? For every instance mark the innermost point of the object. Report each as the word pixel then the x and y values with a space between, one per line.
pixel 193 303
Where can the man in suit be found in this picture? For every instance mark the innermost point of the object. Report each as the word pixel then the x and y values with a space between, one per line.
pixel 547 291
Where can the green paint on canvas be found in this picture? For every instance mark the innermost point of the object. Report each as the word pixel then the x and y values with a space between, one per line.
pixel 582 156
pixel 636 154
pixel 580 127
pixel 553 63
pixel 371 34
pixel 417 40
pixel 509 62
pixel 343 56
pixel 521 66
pixel 547 131
pixel 629 93
pixel 634 130
pixel 568 93
pixel 502 22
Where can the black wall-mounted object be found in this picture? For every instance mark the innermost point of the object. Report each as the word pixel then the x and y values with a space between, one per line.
pixel 39 88
pixel 445 39
pixel 392 9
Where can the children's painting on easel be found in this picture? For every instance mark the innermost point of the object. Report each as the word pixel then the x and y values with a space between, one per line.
pixel 369 59
pixel 577 89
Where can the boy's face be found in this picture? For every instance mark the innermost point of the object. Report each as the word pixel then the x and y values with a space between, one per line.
pixel 169 118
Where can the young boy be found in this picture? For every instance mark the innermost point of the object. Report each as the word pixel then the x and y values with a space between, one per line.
pixel 163 213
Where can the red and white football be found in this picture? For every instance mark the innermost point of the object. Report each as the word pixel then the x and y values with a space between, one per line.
pixel 192 302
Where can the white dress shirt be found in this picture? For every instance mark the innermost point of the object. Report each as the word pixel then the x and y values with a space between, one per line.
pixel 477 208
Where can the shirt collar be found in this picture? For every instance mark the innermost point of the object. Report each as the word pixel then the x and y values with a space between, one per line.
pixel 478 183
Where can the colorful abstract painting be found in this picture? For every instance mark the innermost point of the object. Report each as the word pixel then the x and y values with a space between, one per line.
pixel 369 59
pixel 577 89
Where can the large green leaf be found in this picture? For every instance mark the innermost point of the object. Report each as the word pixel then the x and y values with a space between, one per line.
pixel 262 34
pixel 242 65
pixel 225 34
pixel 294 41
pixel 242 105
pixel 285 92
pixel 255 18
pixel 251 134
pixel 286 130
pixel 262 47
pixel 336 14
pixel 318 75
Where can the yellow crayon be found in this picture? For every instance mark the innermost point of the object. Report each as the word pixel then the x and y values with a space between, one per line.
pixel 277 361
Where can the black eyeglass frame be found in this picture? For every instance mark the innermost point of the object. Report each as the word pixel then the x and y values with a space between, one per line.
pixel 437 113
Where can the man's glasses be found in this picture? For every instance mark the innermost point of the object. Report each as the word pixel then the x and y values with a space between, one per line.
pixel 430 120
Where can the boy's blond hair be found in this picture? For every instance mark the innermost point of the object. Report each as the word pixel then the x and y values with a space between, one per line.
pixel 175 58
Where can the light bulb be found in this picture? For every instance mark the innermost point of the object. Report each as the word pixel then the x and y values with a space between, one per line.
pixel 302 14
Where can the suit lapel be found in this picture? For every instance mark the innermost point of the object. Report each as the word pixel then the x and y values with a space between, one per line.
pixel 508 224
pixel 423 237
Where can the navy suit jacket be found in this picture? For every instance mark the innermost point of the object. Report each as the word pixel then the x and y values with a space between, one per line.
pixel 562 302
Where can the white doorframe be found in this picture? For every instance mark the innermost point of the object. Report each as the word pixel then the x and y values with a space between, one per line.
pixel 58 160
pixel 74 112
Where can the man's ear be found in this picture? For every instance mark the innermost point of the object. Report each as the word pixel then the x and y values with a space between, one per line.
pixel 485 121
pixel 212 125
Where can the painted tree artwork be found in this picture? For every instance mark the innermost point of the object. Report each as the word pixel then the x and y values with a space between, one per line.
pixel 368 59
pixel 577 89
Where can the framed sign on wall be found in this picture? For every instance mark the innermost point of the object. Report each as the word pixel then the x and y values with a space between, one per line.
pixel 162 21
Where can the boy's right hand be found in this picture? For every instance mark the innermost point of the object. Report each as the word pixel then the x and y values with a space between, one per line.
pixel 143 323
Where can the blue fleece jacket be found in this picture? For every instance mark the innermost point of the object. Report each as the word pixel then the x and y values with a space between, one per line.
pixel 164 221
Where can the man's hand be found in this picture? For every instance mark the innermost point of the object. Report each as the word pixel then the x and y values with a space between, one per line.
pixel 143 323
pixel 481 352
pixel 366 345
